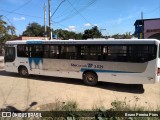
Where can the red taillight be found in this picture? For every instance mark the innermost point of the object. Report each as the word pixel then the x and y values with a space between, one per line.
pixel 158 71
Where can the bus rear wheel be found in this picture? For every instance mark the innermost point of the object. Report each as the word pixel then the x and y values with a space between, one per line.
pixel 23 71
pixel 90 78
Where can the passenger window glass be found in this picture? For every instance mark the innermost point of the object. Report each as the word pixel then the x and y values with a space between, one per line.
pixel 54 51
pixel 22 51
pixel 9 54
pixel 36 51
pixel 46 51
pixel 90 52
pixel 115 53
pixel 68 52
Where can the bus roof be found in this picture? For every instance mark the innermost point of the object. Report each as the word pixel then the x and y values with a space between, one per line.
pixel 90 41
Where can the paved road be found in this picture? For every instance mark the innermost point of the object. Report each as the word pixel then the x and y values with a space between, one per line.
pixel 20 92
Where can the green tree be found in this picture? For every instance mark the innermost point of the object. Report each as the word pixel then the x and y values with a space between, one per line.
pixel 92 33
pixel 79 36
pixel 65 35
pixel 36 30
pixel 7 37
pixel 11 29
pixel 3 28
pixel 122 36
pixel 33 30
pixel 7 32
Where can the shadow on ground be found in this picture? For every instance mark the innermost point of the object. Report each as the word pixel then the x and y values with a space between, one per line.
pixel 13 109
pixel 130 88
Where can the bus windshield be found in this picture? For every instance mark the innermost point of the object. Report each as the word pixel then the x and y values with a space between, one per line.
pixel 9 54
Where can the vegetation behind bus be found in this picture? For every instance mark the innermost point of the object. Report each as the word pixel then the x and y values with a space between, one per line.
pixel 35 29
pixel 7 32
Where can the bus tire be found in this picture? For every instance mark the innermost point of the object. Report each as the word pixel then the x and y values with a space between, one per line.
pixel 90 78
pixel 23 71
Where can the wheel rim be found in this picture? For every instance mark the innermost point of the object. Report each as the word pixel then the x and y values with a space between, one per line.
pixel 24 72
pixel 90 78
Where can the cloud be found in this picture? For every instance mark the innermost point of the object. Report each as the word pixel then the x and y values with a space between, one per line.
pixel 96 25
pixel 71 28
pixel 121 19
pixel 19 19
pixel 87 25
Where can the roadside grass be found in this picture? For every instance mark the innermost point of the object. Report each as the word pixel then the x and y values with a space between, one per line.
pixel 70 111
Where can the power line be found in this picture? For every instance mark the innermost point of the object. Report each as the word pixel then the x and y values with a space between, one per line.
pixel 65 11
pixel 75 11
pixel 30 16
pixel 78 12
pixel 88 5
pixel 22 14
pixel 81 9
pixel 19 7
pixel 57 8
pixel 7 19
pixel 60 24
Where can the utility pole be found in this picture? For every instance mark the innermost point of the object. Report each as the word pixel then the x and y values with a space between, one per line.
pixel 142 15
pixel 50 18
pixel 142 25
pixel 45 28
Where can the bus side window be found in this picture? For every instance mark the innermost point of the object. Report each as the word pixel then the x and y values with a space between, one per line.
pixel 54 51
pixel 36 51
pixel 68 52
pixel 46 51
pixel 105 53
pixel 22 51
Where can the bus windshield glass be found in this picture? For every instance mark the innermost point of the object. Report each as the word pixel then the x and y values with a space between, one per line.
pixel 9 54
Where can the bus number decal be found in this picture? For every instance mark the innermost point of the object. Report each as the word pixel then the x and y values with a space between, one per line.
pixel 89 65
pixel 98 66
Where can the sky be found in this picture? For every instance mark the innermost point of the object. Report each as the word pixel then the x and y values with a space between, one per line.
pixel 111 16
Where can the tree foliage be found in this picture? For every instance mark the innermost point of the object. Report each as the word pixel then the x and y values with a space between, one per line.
pixel 7 32
pixel 122 36
pixel 65 35
pixel 36 30
pixel 92 33
pixel 3 29
pixel 33 30
pixel 7 37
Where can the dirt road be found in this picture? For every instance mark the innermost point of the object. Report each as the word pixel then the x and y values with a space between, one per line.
pixel 20 92
pixel 1 62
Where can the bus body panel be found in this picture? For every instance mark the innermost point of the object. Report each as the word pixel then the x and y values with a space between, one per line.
pixel 108 71
pixel 158 66
pixel 111 71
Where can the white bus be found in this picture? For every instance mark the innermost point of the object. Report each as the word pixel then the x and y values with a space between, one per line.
pixel 117 61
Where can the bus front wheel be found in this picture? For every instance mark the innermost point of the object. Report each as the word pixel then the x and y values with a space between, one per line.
pixel 90 78
pixel 23 71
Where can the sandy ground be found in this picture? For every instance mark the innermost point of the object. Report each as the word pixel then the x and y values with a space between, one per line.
pixel 20 92
pixel 1 62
